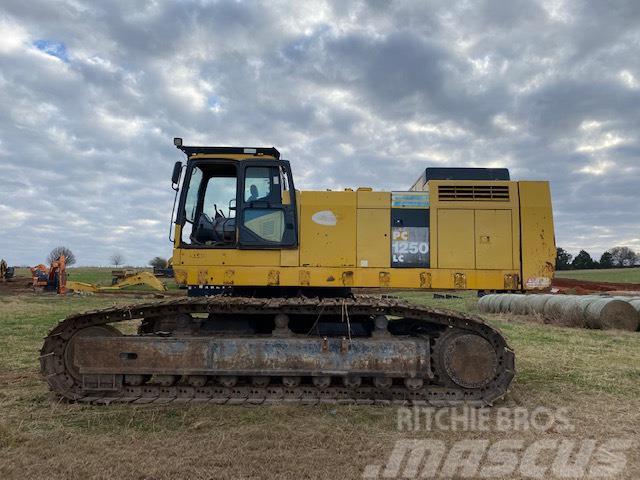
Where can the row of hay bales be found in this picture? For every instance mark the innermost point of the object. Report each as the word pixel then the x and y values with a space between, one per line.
pixel 586 311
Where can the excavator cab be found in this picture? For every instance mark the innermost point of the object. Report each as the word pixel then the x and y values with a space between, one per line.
pixel 235 198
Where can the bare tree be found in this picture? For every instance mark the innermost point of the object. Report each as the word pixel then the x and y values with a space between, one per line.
pixel 55 254
pixel 117 259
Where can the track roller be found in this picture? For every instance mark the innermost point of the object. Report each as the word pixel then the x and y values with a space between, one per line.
pixel 382 383
pixel 228 381
pixel 260 381
pixel 291 382
pixel 197 380
pixel 413 384
pixel 136 380
pixel 321 382
pixel 351 381
pixel 166 380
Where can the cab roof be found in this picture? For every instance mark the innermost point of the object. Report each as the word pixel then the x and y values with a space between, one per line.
pixel 220 151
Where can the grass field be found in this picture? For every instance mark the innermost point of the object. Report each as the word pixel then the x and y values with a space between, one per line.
pixel 97 275
pixel 615 275
pixel 595 375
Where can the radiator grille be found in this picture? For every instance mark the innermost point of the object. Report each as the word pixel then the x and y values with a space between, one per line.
pixel 488 193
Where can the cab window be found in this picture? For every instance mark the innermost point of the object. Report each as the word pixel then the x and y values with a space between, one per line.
pixel 262 184
pixel 209 212
pixel 219 196
pixel 268 224
pixel 191 202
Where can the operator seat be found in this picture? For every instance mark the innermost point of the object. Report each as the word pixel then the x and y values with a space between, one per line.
pixel 219 230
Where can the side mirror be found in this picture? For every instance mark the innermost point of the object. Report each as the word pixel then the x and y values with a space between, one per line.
pixel 232 204
pixel 175 176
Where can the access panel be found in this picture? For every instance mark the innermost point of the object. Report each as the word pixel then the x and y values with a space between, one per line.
pixel 456 246
pixel 494 242
pixel 328 229
pixel 373 237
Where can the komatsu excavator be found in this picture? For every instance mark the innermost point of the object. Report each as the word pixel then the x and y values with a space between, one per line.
pixel 274 312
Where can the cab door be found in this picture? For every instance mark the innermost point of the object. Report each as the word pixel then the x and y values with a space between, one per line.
pixel 267 205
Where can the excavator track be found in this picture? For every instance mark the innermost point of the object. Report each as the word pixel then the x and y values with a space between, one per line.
pixel 468 360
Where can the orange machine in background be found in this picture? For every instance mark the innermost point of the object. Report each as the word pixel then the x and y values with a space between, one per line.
pixel 53 278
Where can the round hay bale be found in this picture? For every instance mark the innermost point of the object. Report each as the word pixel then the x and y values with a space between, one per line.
pixel 504 303
pixel 553 309
pixel 520 305
pixel 635 304
pixel 583 303
pixel 572 311
pixel 537 302
pixel 609 313
pixel 494 304
pixel 484 304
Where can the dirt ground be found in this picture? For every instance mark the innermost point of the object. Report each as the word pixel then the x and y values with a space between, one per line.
pixel 587 286
pixel 594 377
pixel 16 286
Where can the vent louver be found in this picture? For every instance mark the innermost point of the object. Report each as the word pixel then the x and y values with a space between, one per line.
pixel 487 193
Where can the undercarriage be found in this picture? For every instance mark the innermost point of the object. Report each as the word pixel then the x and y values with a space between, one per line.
pixel 238 349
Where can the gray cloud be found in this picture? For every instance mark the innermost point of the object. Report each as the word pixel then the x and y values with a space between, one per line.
pixel 353 93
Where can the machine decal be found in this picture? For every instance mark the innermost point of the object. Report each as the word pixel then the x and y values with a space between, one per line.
pixel 410 237
pixel 410 246
pixel 409 199
pixel 325 217
pixel 538 282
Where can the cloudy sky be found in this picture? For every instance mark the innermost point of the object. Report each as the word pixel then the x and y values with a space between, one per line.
pixel 353 93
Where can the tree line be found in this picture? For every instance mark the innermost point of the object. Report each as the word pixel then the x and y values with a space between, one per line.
pixel 616 257
pixel 115 259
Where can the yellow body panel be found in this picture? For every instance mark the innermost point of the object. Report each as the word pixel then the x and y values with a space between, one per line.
pixel 371 199
pixel 328 229
pixel 345 240
pixel 511 203
pixel 373 238
pixel 230 256
pixel 455 239
pixel 340 277
pixel 538 241
pixel 493 236
pixel 289 257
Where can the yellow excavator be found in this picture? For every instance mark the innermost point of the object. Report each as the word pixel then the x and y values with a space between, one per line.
pixel 275 313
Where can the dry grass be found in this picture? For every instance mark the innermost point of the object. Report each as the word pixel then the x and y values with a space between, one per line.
pixel 462 301
pixel 596 375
